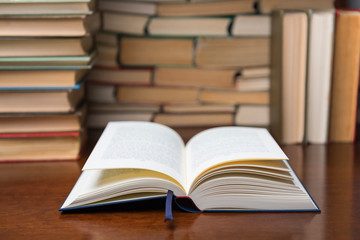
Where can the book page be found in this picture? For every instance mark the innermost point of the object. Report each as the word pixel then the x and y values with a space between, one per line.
pixel 139 145
pixel 222 144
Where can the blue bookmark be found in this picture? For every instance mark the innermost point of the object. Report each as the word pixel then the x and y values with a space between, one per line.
pixel 168 206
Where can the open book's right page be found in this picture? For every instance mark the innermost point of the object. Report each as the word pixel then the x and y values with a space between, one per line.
pixel 223 144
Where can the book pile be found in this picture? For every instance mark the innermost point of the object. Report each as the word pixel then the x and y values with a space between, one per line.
pixel 45 53
pixel 188 65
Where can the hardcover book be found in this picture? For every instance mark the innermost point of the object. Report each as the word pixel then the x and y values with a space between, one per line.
pixel 46 7
pixel 44 100
pixel 223 168
pixel 319 67
pixel 47 63
pixel 45 47
pixel 288 76
pixel 48 25
pixel 213 8
pixel 41 146
pixel 345 80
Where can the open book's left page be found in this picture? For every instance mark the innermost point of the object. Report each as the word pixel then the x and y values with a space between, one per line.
pixel 139 145
pixel 132 160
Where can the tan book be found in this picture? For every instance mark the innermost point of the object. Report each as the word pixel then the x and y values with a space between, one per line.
pixel 345 81
pixel 46 8
pixel 100 119
pixel 39 78
pixel 117 76
pixel 156 51
pixel 252 84
pixel 40 101
pixel 255 72
pixel 194 119
pixel 251 25
pixel 143 8
pixel 267 6
pixel 253 115
pixel 41 47
pixel 56 122
pixel 194 77
pixel 199 108
pixel 124 23
pixel 233 97
pixel 189 26
pixel 157 95
pixel 289 45
pixel 47 26
pixel 53 146
pixel 206 8
pixel 123 107
pixel 232 52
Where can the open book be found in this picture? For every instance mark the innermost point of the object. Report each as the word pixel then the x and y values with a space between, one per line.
pixel 223 168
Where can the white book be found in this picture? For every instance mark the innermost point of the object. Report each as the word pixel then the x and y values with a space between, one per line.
pixel 319 75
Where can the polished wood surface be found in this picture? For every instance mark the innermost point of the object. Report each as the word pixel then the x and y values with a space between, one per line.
pixel 31 194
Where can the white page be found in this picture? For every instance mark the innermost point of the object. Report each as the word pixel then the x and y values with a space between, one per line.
pixel 217 145
pixel 139 145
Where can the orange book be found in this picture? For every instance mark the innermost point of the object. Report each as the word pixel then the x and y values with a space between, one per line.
pixel 345 81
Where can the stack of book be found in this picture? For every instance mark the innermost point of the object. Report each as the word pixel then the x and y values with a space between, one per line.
pixel 46 51
pixel 188 65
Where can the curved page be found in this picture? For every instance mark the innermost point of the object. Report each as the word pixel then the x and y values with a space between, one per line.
pixel 139 145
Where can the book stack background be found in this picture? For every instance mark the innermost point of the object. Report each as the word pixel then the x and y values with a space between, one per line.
pixel 188 65
pixel 197 64
pixel 46 49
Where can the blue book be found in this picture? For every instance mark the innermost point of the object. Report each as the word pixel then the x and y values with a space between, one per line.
pixel 220 169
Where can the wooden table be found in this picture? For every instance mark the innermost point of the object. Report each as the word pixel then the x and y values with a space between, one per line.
pixel 31 194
